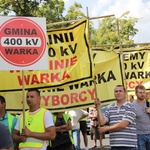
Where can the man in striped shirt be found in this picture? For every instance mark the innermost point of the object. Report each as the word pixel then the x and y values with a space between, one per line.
pixel 120 118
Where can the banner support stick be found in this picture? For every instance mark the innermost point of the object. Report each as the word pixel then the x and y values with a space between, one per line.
pixel 23 98
pixel 99 114
pixel 121 52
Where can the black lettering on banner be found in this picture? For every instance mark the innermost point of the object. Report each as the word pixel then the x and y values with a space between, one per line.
pixel 21 51
pixel 137 75
pixel 133 56
pixel 51 52
pixel 125 66
pixel 103 77
pixel 18 31
pixel 106 78
pixel 53 90
pixel 94 55
pixel 81 85
pixel 137 65
pixel 13 41
pixel 66 51
pixel 62 37
pixel 31 41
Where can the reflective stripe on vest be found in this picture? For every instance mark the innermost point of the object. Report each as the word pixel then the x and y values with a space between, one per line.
pixel 35 123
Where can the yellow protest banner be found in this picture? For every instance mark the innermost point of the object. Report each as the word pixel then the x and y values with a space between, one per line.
pixel 81 94
pixel 137 68
pixel 75 96
pixel 110 68
pixel 69 61
pixel 108 73
pixel 69 82
pixel 129 68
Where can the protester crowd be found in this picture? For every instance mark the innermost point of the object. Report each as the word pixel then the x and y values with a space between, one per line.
pixel 128 124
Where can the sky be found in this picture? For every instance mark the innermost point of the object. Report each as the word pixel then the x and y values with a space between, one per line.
pixel 138 9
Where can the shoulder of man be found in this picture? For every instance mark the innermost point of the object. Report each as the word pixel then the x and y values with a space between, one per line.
pixel 110 106
pixel 130 106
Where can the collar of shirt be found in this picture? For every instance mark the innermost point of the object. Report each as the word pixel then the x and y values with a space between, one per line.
pixel 5 116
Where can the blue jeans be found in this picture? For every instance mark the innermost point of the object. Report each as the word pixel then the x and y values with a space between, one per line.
pixel 143 141
pixel 123 148
pixel 76 137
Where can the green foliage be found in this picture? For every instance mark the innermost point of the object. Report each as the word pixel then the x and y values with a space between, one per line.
pixel 52 10
pixel 74 12
pixel 20 7
pixel 107 31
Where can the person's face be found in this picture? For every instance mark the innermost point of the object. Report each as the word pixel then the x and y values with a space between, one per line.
pixel 33 99
pixel 131 99
pixel 119 93
pixel 2 106
pixel 141 94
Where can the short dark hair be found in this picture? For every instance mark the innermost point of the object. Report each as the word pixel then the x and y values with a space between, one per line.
pixel 122 87
pixel 2 99
pixel 34 90
pixel 139 87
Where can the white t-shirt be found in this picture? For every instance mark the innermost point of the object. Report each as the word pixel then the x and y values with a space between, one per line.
pixel 48 121
pixel 75 115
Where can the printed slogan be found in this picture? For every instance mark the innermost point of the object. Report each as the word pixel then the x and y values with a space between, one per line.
pixel 137 68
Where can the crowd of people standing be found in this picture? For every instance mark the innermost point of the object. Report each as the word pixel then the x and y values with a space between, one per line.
pixel 128 124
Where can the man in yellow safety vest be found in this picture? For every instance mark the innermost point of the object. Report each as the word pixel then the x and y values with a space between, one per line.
pixel 39 126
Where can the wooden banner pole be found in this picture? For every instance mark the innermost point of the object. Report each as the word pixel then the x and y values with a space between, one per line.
pixel 23 98
pixel 65 22
pixel 99 114
pixel 121 52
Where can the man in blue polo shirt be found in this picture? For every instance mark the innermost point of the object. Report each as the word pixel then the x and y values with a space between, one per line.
pixel 5 140
pixel 120 118
pixel 5 117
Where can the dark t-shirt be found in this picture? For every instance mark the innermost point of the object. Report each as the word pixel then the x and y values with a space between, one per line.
pixel 61 137
pixel 5 137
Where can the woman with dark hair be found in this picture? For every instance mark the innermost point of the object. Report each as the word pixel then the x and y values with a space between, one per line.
pixel 63 140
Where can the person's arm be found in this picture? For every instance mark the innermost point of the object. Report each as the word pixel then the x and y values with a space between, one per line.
pixel 49 133
pixel 102 118
pixel 82 117
pixel 117 127
pixel 148 110
pixel 17 137
pixel 85 114
pixel 65 127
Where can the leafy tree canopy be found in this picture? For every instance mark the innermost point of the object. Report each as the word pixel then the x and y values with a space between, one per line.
pixel 52 10
pixel 74 12
pixel 107 31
